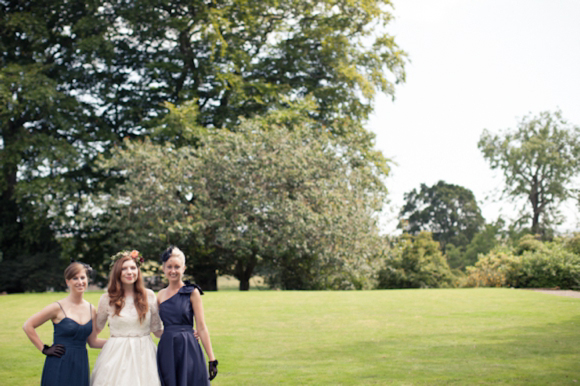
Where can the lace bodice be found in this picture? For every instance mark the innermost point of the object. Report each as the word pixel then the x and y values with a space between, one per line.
pixel 127 324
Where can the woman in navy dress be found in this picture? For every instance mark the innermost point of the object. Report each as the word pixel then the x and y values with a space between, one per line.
pixel 180 359
pixel 67 361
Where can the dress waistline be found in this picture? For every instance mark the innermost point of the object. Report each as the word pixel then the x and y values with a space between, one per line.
pixel 67 345
pixel 129 336
pixel 178 328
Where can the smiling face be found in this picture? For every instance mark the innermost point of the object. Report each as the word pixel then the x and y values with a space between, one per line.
pixel 79 282
pixel 129 272
pixel 174 268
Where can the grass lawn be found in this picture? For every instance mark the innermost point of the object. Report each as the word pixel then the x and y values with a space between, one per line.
pixel 400 337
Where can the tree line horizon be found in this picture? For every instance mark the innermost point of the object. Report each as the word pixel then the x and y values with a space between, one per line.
pixel 237 132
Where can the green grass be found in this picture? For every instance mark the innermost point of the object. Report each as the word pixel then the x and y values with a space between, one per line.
pixel 401 337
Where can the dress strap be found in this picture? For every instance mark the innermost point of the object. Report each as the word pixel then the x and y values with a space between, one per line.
pixel 62 309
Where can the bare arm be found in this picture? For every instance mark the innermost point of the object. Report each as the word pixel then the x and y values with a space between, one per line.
pixel 93 341
pixel 202 329
pixel 49 312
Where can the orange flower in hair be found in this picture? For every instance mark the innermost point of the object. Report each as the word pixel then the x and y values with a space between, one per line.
pixel 134 254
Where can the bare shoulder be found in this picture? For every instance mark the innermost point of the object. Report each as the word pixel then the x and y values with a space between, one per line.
pixel 195 294
pixel 53 308
pixel 50 311
pixel 161 295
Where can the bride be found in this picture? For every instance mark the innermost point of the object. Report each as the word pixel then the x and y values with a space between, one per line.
pixel 128 358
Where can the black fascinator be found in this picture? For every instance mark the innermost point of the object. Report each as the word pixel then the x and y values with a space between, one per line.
pixel 167 254
pixel 90 271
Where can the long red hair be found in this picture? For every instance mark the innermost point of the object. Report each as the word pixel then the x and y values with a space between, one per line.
pixel 117 293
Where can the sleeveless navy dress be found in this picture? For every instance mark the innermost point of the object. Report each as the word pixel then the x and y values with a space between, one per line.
pixel 73 367
pixel 180 360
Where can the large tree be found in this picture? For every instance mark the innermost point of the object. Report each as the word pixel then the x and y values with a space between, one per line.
pixel 79 76
pixel 237 58
pixel 450 212
pixel 264 196
pixel 540 161
pixel 47 134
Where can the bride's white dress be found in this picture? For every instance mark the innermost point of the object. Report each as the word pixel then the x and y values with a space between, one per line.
pixel 129 356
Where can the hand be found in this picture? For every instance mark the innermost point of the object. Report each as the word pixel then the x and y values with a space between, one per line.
pixel 196 335
pixel 56 350
pixel 213 369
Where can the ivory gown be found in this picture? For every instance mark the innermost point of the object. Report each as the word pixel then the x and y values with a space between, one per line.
pixel 129 356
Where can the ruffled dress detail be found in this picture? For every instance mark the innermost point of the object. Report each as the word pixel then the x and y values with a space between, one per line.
pixel 128 357
pixel 180 359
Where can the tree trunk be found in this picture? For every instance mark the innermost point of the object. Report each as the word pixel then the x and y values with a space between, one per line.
pixel 10 227
pixel 206 277
pixel 535 200
pixel 244 274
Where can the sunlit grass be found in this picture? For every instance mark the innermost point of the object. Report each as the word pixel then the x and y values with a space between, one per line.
pixel 402 337
pixel 229 283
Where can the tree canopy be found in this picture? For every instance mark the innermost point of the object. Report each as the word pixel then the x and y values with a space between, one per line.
pixel 264 197
pixel 540 162
pixel 450 212
pixel 77 77
pixel 47 134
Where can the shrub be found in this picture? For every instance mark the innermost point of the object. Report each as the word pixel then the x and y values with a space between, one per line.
pixel 529 243
pixel 496 269
pixel 531 264
pixel 415 262
pixel 553 267
pixel 573 244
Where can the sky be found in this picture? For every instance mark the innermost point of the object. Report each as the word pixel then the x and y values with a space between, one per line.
pixel 474 65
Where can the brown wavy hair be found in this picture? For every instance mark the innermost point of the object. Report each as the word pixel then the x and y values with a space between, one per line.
pixel 117 293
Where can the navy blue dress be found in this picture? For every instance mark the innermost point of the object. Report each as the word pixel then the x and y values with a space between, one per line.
pixel 73 367
pixel 180 359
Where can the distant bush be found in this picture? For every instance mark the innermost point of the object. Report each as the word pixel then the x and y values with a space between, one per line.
pixel 496 269
pixel 553 267
pixel 415 262
pixel 529 243
pixel 530 264
pixel 573 244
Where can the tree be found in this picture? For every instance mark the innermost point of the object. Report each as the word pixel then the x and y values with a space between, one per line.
pixel 261 196
pixel 483 242
pixel 237 59
pixel 415 262
pixel 540 160
pixel 77 77
pixel 46 134
pixel 450 212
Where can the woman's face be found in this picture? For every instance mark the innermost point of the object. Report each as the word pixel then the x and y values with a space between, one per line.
pixel 129 272
pixel 79 282
pixel 173 269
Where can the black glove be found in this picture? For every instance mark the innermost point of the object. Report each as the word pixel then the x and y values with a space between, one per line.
pixel 212 369
pixel 56 350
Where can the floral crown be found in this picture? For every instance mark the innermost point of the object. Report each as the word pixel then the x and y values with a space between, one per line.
pixel 134 254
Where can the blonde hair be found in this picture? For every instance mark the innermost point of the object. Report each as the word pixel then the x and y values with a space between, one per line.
pixel 176 252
